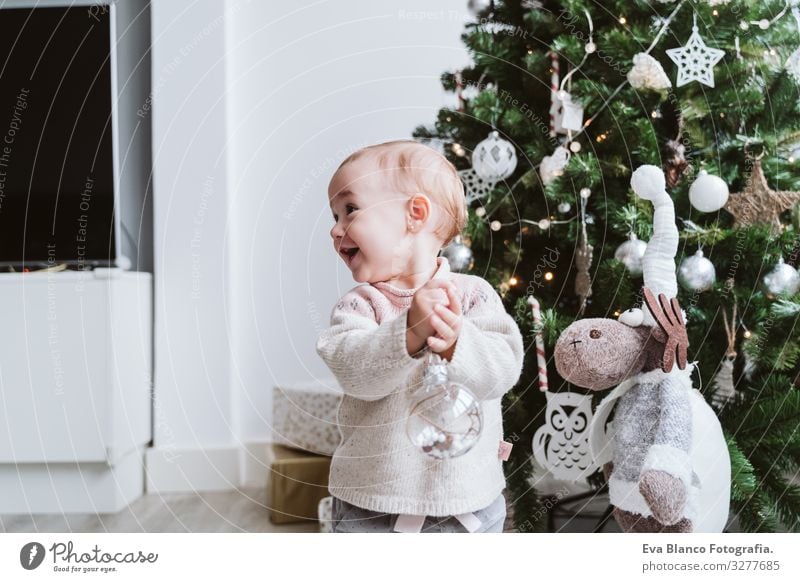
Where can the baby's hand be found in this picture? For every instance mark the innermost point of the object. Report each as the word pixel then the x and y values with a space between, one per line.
pixel 447 323
pixel 421 314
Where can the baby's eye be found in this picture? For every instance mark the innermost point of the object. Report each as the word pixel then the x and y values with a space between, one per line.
pixel 348 209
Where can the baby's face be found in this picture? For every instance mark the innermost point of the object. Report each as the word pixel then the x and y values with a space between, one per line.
pixel 370 224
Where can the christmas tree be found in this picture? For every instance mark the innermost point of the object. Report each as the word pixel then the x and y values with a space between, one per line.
pixel 582 93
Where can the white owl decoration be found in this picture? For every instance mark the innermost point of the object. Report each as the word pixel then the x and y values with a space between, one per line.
pixel 561 444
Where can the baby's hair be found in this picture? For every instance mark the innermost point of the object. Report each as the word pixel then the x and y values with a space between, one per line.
pixel 421 168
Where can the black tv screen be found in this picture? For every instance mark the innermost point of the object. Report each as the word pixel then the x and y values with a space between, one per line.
pixel 56 158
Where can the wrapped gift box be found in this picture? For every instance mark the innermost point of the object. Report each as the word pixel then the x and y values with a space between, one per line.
pixel 325 515
pixel 298 481
pixel 304 416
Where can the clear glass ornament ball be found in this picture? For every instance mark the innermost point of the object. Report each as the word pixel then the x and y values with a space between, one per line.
pixel 446 421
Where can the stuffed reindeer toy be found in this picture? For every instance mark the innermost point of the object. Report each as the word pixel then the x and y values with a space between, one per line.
pixel 664 454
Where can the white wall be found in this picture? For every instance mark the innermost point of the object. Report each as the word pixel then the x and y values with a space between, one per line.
pixel 312 81
pixel 193 408
pixel 250 119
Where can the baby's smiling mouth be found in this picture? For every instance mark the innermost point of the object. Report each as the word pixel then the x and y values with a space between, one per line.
pixel 348 253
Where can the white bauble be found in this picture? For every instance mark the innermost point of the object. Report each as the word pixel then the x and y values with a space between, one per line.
pixel 783 279
pixel 494 159
pixel 708 193
pixel 631 253
pixel 697 273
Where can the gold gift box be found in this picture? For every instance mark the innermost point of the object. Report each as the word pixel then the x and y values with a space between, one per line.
pixel 298 480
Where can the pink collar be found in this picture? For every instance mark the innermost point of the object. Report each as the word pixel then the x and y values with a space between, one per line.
pixel 442 271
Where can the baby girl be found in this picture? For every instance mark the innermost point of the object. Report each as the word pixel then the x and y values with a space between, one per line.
pixel 395 205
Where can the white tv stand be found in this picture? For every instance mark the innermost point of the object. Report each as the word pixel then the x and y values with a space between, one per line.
pixel 75 390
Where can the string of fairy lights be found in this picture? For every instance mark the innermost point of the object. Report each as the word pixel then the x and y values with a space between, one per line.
pixel 485 214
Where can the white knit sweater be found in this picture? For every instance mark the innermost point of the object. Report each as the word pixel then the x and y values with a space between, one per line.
pixel 376 466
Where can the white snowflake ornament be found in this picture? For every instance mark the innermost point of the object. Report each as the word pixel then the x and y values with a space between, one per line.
pixel 695 60
pixel 476 188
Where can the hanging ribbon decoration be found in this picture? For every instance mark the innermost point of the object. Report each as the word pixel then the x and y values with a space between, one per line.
pixel 541 359
pixel 555 75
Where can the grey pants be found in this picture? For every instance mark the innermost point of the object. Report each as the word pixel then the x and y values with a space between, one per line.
pixel 348 518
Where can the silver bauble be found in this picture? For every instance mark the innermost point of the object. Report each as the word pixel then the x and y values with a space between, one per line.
pixel 697 273
pixel 459 255
pixel 494 159
pixel 630 253
pixel 708 193
pixel 783 279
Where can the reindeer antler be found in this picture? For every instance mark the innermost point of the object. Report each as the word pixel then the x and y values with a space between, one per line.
pixel 667 314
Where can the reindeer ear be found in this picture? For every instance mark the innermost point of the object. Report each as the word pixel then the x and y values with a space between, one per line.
pixel 656 310
pixel 667 314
